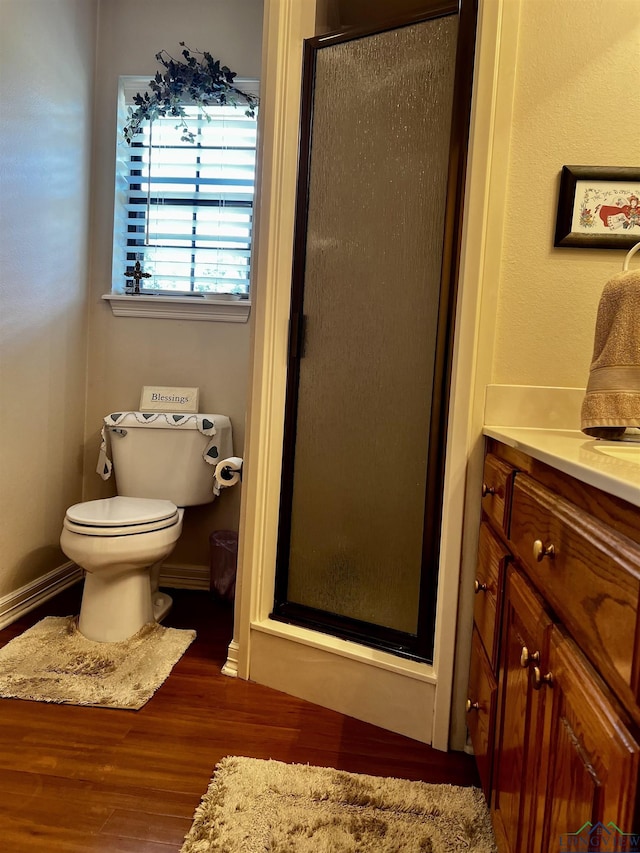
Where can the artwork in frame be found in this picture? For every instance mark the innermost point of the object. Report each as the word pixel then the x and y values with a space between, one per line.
pixel 598 207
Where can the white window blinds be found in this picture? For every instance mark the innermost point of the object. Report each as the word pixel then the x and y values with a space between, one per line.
pixel 184 210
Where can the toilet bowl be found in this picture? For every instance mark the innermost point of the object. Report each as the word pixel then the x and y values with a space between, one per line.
pixel 119 542
pixel 163 462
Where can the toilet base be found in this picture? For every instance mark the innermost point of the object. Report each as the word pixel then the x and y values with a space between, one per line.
pixel 162 604
pixel 115 608
pixel 160 600
pixel 121 580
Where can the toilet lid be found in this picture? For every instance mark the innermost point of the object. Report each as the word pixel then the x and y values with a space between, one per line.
pixel 122 512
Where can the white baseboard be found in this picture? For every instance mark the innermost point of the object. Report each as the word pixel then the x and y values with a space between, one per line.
pixel 32 595
pixel 185 577
pixel 231 666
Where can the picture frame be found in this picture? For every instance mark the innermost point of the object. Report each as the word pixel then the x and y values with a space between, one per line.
pixel 598 207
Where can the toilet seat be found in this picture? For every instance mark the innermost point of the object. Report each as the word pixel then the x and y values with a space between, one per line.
pixel 121 516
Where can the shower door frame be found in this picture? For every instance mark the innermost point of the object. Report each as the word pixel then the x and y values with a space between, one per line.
pixel 418 646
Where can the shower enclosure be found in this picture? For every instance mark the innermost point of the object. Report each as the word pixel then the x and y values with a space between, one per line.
pixel 384 131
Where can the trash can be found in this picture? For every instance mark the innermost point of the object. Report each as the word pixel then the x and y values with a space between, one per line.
pixel 223 548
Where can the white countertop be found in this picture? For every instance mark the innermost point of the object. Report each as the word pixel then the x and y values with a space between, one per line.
pixel 613 466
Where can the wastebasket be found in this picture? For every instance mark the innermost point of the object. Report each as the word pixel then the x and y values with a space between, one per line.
pixel 223 548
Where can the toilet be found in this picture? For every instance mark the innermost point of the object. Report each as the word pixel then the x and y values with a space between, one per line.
pixel 162 462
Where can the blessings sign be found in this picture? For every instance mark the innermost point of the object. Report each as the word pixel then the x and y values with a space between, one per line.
pixel 158 398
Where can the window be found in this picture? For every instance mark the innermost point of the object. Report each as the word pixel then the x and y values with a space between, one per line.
pixel 184 210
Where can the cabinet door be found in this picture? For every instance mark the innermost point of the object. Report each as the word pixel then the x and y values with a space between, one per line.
pixel 592 770
pixel 526 629
pixel 481 708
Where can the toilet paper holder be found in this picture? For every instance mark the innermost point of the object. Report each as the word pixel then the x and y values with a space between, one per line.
pixel 227 472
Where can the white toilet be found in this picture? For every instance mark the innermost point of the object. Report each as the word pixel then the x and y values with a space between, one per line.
pixel 162 463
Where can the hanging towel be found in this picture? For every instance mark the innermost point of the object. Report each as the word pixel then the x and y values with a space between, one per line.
pixel 612 400
pixel 216 427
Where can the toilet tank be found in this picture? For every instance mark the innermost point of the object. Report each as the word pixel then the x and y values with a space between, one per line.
pixel 162 455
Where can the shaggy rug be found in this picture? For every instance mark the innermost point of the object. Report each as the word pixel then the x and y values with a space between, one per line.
pixel 53 662
pixel 253 805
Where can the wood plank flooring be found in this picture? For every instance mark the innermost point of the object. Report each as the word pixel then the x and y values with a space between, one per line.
pixel 94 780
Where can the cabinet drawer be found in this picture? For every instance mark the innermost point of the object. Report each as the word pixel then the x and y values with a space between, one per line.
pixel 589 574
pixel 489 573
pixel 496 491
pixel 481 711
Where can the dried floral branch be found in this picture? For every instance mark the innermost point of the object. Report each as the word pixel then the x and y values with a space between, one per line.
pixel 200 81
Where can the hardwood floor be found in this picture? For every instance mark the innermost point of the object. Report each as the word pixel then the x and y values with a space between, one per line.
pixel 75 780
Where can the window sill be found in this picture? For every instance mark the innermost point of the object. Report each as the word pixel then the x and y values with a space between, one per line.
pixel 179 308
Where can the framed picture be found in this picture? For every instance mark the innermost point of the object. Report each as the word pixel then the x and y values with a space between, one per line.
pixel 598 207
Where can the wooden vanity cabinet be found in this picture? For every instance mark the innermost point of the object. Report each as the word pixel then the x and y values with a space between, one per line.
pixel 591 760
pixel 588 573
pixel 525 645
pixel 553 703
pixel 493 556
pixel 481 707
pixel 497 482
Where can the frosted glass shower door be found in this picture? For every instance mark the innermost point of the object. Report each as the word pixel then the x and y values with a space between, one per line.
pixel 361 401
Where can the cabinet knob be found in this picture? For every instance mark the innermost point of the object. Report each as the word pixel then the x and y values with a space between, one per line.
pixel 478 586
pixel 540 551
pixel 527 657
pixel 538 679
pixel 487 490
pixel 472 706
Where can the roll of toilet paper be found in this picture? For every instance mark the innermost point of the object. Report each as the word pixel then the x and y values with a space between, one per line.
pixel 229 471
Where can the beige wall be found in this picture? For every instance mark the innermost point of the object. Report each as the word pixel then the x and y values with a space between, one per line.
pixel 127 353
pixel 62 354
pixel 577 102
pixel 47 55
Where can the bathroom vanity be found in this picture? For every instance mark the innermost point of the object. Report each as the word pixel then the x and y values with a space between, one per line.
pixel 554 690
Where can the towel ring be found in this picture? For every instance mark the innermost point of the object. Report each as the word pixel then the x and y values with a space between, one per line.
pixel 629 255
